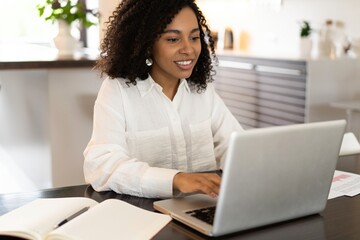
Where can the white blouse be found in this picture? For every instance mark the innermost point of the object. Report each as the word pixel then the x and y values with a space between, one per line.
pixel 141 138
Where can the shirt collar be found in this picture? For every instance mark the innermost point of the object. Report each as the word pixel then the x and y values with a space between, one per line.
pixel 145 86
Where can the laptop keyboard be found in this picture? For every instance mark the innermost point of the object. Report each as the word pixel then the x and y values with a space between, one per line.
pixel 204 214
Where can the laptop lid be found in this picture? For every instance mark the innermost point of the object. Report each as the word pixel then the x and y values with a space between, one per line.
pixel 270 175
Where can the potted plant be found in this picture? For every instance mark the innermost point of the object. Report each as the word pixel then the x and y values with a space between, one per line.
pixel 305 29
pixel 305 39
pixel 65 13
pixel 66 10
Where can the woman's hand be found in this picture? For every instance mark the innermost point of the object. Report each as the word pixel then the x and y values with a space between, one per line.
pixel 207 183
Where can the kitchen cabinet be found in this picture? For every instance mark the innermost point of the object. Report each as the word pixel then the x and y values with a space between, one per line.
pixel 46 112
pixel 263 92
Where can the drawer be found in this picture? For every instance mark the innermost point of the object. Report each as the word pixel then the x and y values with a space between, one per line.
pixel 300 110
pixel 237 90
pixel 238 97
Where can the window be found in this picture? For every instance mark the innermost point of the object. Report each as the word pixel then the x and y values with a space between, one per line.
pixel 20 22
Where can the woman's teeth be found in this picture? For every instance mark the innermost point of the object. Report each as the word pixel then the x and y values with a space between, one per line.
pixel 184 62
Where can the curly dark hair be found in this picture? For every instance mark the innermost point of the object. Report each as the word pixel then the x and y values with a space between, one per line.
pixel 130 35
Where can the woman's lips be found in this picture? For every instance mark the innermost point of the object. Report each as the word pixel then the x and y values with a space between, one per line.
pixel 184 65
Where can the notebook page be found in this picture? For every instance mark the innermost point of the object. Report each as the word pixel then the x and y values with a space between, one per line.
pixel 113 219
pixel 39 217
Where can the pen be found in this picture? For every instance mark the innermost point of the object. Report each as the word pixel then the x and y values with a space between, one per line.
pixel 72 217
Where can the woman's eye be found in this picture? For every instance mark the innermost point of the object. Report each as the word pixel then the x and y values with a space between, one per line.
pixel 195 38
pixel 172 40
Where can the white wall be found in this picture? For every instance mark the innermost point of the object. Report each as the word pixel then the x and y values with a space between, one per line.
pixel 277 31
pixel 270 30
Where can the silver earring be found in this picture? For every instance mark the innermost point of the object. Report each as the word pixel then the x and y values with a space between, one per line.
pixel 149 62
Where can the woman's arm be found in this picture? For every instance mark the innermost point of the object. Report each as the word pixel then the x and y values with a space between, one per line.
pixel 108 165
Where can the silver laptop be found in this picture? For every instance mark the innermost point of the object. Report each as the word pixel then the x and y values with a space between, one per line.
pixel 270 175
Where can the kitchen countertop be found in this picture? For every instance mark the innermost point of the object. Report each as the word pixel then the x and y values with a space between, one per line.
pixel 264 55
pixel 282 56
pixel 31 56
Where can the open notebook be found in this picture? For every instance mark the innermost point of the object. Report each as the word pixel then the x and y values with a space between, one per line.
pixel 270 175
pixel 110 219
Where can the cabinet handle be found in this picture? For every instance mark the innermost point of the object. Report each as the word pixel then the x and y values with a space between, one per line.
pixel 237 65
pixel 288 71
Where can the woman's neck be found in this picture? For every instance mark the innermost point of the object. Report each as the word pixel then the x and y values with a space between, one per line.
pixel 169 87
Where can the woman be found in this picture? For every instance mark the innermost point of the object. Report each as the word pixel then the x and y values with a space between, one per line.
pixel 158 122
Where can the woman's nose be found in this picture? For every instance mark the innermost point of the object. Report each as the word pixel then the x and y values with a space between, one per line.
pixel 186 47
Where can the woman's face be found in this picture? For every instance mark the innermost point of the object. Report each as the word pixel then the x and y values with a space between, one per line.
pixel 176 51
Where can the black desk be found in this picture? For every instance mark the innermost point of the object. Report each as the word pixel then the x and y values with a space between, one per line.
pixel 340 220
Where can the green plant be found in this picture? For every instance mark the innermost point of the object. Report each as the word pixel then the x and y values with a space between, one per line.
pixel 67 10
pixel 305 29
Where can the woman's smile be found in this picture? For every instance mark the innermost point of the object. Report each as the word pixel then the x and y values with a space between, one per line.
pixel 185 65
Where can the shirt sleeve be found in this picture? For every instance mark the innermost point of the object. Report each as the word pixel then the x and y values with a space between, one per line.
pixel 223 124
pixel 107 164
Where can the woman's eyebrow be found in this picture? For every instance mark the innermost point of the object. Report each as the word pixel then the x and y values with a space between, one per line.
pixel 178 31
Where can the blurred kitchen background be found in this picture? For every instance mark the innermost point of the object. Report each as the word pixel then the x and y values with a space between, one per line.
pixel 46 111
pixel 262 26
